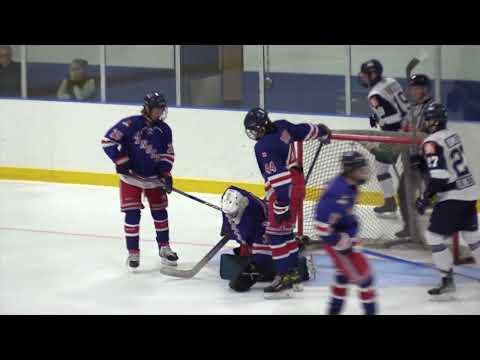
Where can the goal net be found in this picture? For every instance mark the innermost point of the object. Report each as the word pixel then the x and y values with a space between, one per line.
pixel 322 164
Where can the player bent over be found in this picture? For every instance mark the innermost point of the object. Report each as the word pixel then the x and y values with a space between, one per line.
pixel 338 227
pixel 389 107
pixel 141 148
pixel 452 181
pixel 284 186
pixel 244 220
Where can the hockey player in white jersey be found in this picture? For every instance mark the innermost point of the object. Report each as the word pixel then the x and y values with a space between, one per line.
pixel 389 108
pixel 451 179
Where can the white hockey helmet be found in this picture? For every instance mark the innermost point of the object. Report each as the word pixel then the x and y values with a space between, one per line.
pixel 232 201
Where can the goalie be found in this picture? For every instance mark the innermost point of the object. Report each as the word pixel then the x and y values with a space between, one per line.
pixel 244 220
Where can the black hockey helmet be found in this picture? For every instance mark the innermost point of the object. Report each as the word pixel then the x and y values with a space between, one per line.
pixel 435 118
pixel 353 160
pixel 419 80
pixel 367 71
pixel 256 123
pixel 155 100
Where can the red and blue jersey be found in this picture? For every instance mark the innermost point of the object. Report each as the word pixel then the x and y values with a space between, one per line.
pixel 248 226
pixel 147 146
pixel 333 213
pixel 276 155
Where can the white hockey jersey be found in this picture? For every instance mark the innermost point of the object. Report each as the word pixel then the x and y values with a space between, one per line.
pixel 443 151
pixel 387 101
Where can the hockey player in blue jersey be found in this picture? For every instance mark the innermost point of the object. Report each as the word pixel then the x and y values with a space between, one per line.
pixel 244 218
pixel 285 189
pixel 338 227
pixel 142 151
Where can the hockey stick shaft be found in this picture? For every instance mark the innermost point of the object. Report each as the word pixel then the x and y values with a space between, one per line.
pixel 315 158
pixel 397 259
pixel 197 199
pixel 189 273
pixel 316 245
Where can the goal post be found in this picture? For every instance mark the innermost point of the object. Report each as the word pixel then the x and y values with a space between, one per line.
pixel 384 146
pixel 391 147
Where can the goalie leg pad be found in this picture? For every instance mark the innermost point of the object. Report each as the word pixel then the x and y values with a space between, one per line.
pixel 231 265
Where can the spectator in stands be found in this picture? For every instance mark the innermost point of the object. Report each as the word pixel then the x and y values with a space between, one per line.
pixel 78 85
pixel 9 73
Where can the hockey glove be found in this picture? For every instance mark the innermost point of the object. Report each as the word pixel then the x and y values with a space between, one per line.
pixel 373 121
pixel 421 204
pixel 281 212
pixel 325 134
pixel 123 169
pixel 167 182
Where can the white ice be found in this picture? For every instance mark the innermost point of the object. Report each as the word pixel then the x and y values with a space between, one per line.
pixel 62 252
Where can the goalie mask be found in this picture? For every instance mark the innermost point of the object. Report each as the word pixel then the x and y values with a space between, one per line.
pixel 233 202
pixel 355 167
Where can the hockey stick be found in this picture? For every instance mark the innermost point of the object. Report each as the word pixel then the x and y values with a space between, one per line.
pixel 394 258
pixel 189 273
pixel 196 199
pixel 314 245
pixel 313 163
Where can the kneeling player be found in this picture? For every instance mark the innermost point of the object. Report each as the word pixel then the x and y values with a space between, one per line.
pixel 244 220
pixel 338 227
pixel 457 193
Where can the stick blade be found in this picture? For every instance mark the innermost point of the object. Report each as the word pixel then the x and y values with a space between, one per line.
pixel 170 271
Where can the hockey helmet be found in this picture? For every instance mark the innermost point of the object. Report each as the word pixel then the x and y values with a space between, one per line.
pixel 419 80
pixel 371 72
pixel 352 161
pixel 435 118
pixel 155 100
pixel 256 123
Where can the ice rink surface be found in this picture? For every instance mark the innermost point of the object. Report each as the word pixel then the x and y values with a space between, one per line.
pixel 62 252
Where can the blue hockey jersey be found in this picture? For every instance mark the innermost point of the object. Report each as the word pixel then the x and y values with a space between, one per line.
pixel 333 213
pixel 249 225
pixel 276 155
pixel 148 147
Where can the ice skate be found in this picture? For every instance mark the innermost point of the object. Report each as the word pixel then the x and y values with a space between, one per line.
pixel 168 256
pixel 133 260
pixel 387 210
pixel 296 280
pixel 280 288
pixel 404 233
pixel 445 290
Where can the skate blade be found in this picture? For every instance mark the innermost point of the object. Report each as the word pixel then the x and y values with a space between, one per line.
pixel 168 262
pixel 387 215
pixel 286 294
pixel 297 287
pixel 133 270
pixel 443 297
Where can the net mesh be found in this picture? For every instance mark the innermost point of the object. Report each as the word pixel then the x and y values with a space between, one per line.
pixel 373 229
